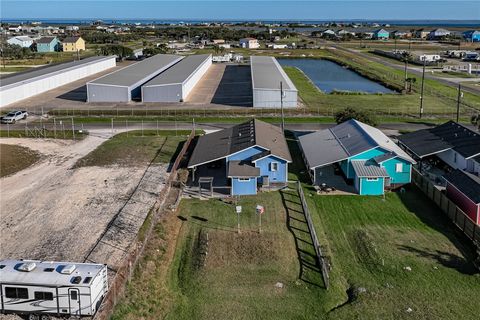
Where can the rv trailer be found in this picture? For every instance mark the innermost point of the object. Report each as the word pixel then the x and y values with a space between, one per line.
pixel 38 289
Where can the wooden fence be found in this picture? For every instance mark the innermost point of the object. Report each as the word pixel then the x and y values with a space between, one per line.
pixel 125 271
pixel 321 259
pixel 448 207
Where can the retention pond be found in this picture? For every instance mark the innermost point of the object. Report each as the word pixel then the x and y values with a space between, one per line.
pixel 329 76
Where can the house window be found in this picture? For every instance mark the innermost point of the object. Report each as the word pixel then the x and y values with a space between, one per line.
pixel 372 179
pixel 244 179
pixel 16 293
pixel 399 167
pixel 42 295
pixel 274 166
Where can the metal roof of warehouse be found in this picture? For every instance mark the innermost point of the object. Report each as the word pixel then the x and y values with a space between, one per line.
pixel 267 74
pixel 180 72
pixel 29 75
pixel 220 144
pixel 467 183
pixel 135 73
pixel 346 140
pixel 449 135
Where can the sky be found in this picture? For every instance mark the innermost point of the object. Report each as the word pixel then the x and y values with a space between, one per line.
pixel 242 9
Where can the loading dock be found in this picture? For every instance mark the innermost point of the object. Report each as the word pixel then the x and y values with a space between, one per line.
pixel 124 85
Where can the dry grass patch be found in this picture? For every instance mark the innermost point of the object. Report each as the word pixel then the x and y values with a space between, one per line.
pixel 16 158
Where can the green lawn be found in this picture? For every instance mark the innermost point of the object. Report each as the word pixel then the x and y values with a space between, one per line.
pixel 371 240
pixel 16 158
pixel 136 148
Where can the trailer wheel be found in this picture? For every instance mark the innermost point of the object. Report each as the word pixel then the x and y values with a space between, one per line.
pixel 33 317
pixel 44 317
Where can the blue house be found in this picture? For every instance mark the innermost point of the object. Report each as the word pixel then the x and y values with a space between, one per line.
pixel 381 34
pixel 241 159
pixel 472 35
pixel 364 155
pixel 48 44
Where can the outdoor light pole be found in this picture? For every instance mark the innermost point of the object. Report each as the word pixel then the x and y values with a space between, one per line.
pixel 459 96
pixel 281 106
pixel 423 83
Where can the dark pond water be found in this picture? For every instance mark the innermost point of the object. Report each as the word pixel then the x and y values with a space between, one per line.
pixel 330 76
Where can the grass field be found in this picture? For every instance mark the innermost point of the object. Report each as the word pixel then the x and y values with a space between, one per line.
pixel 371 242
pixel 134 148
pixel 15 158
pixel 392 258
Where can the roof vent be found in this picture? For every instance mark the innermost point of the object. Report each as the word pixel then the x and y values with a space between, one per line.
pixel 27 266
pixel 68 269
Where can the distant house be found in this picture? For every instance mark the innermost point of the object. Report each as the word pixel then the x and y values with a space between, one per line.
pixel 73 44
pixel 249 43
pixel 438 34
pixel 277 45
pixel 472 35
pixel 218 41
pixel 22 41
pixel 381 34
pixel 343 32
pixel 453 143
pixel 48 44
pixel 421 34
pixel 463 189
pixel 242 158
pixel 72 28
pixel 399 34
pixel 364 154
pixel 15 28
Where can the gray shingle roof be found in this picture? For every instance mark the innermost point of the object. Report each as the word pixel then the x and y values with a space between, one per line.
pixel 239 169
pixel 138 72
pixel 70 39
pixel 46 40
pixel 467 183
pixel 267 74
pixel 180 72
pixel 449 135
pixel 344 141
pixel 365 169
pixel 384 157
pixel 220 144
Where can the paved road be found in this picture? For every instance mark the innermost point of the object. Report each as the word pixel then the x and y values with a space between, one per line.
pixel 121 126
pixel 416 71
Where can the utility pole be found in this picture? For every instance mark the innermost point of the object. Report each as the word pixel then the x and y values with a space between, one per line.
pixel 459 96
pixel 281 106
pixel 423 83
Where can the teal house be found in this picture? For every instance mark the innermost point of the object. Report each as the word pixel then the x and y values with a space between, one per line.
pixel 381 34
pixel 472 35
pixel 241 159
pixel 48 44
pixel 364 156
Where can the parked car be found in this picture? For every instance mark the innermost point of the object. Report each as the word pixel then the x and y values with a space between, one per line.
pixel 14 116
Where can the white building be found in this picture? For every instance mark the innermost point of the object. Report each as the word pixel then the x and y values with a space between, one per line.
pixel 249 43
pixel 73 28
pixel 22 41
pixel 27 84
pixel 272 88
pixel 15 28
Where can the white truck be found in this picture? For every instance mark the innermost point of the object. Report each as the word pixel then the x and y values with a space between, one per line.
pixel 40 289
pixel 14 116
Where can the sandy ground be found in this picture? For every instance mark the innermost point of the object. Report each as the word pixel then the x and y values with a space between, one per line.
pixel 52 212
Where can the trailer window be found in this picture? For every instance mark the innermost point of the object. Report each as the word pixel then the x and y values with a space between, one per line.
pixel 49 269
pixel 87 280
pixel 42 295
pixel 2 266
pixel 16 293
pixel 73 295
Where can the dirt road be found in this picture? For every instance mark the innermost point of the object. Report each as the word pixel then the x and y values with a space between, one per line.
pixel 53 212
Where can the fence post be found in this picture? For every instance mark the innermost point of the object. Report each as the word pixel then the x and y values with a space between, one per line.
pixel 73 129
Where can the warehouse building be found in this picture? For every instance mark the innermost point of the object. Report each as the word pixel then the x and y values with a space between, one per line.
pixel 267 79
pixel 125 84
pixel 27 84
pixel 176 83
